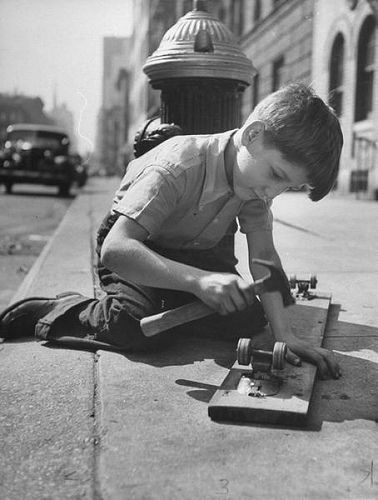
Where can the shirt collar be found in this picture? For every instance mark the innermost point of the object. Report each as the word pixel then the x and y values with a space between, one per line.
pixel 216 184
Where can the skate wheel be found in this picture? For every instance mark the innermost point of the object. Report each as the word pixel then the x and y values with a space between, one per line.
pixel 244 351
pixel 313 281
pixel 279 353
pixel 293 281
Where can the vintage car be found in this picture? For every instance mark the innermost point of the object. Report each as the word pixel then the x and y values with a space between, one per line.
pixel 81 169
pixel 37 154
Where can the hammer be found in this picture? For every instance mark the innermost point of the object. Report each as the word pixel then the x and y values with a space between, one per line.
pixel 275 280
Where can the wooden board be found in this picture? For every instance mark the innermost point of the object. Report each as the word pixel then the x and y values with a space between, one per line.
pixel 290 405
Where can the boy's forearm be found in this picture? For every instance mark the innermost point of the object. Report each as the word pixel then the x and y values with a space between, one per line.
pixel 274 306
pixel 134 261
pixel 277 316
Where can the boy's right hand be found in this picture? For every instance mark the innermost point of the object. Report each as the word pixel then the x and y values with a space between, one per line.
pixel 224 292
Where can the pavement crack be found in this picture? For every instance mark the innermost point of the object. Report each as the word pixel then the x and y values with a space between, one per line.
pixel 96 436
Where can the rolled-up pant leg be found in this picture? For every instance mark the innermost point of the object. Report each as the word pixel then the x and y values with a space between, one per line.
pixel 115 318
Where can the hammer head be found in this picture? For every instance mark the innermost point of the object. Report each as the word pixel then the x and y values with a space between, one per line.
pixel 276 280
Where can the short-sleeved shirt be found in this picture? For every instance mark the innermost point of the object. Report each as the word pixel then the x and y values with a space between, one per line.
pixel 179 193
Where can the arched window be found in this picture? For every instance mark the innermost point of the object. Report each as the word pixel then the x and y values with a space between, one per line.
pixel 257 11
pixel 365 70
pixel 336 75
pixel 278 73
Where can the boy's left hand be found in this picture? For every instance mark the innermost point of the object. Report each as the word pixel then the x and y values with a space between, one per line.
pixel 324 359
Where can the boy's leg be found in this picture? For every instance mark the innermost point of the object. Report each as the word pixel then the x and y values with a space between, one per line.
pixel 114 319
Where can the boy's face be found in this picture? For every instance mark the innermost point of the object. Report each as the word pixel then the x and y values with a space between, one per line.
pixel 260 170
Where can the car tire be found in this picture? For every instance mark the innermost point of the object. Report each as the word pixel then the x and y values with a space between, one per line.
pixel 8 187
pixel 64 189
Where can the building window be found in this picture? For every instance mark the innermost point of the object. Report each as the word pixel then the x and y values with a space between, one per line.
pixel 277 77
pixel 222 14
pixel 257 11
pixel 188 6
pixel 241 17
pixel 255 90
pixel 365 70
pixel 237 16
pixel 336 75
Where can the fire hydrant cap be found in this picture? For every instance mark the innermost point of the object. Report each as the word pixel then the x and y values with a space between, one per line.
pixel 199 45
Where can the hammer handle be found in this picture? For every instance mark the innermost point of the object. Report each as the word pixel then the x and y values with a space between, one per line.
pixel 152 325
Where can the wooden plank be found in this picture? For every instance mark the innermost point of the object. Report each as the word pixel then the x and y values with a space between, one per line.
pixel 290 405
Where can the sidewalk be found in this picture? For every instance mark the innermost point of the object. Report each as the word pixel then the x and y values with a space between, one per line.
pixel 112 426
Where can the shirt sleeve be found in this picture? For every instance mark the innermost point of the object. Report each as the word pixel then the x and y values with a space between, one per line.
pixel 149 199
pixel 255 215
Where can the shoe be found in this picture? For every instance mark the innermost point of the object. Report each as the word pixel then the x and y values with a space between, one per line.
pixel 20 318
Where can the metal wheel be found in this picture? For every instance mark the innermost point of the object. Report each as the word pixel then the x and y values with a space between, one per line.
pixel 64 189
pixel 279 353
pixel 244 351
pixel 313 281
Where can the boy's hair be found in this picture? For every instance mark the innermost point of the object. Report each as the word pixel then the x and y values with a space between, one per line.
pixel 306 131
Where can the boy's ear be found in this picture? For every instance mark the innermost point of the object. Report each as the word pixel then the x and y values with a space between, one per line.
pixel 254 130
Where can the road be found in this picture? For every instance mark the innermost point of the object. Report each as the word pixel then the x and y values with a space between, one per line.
pixel 28 218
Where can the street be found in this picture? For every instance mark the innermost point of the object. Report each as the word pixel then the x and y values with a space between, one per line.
pixel 28 218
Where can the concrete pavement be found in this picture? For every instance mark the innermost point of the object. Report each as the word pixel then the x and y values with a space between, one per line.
pixel 116 426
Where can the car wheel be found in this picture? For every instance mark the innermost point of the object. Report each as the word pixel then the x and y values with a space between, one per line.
pixel 8 187
pixel 64 189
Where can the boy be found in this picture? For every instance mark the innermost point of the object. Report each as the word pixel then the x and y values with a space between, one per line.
pixel 169 236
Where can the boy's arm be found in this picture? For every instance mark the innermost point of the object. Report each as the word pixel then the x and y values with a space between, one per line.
pixel 260 245
pixel 124 252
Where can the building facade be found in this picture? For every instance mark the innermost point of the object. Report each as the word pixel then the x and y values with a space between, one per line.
pixel 112 121
pixel 344 69
pixel 331 45
pixel 334 47
pixel 277 37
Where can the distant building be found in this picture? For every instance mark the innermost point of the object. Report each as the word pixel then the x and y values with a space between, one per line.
pixel 112 122
pixel 21 109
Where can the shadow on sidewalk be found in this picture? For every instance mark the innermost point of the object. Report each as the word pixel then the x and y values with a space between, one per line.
pixel 353 397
